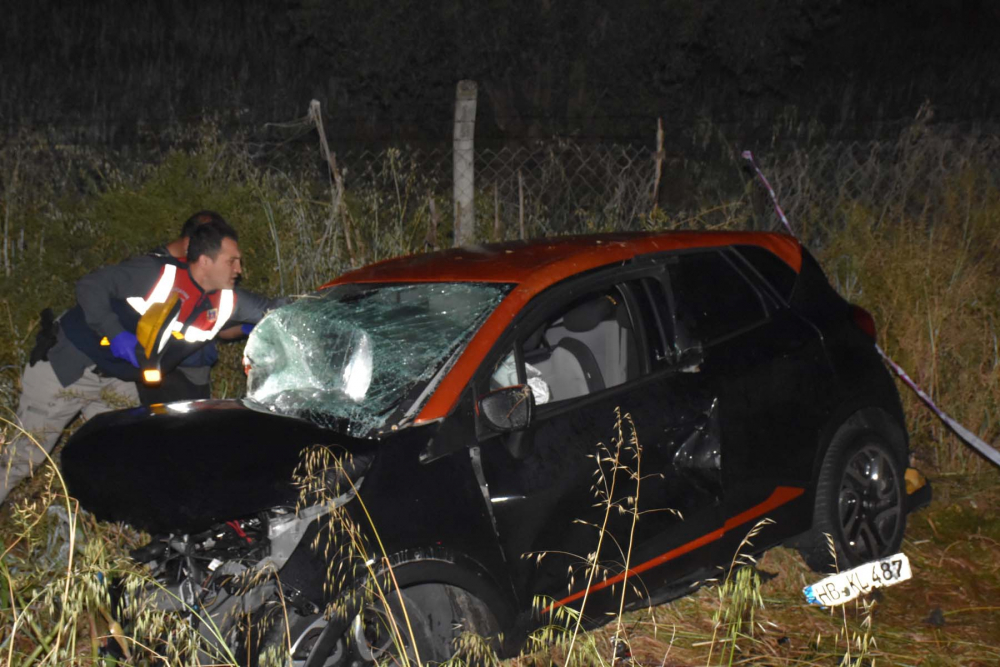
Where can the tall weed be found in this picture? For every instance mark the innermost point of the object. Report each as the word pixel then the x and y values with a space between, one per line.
pixel 908 229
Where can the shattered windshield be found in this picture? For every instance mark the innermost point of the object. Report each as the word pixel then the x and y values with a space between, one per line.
pixel 357 353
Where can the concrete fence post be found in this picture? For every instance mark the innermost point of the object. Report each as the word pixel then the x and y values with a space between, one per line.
pixel 464 169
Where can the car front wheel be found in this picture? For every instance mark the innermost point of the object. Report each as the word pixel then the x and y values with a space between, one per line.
pixel 382 634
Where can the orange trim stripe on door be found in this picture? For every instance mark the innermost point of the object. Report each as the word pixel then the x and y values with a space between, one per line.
pixel 778 497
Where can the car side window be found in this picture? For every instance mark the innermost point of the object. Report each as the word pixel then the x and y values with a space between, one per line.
pixel 712 299
pixel 776 272
pixel 651 298
pixel 582 347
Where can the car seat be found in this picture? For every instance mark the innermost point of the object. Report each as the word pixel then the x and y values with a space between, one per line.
pixel 595 349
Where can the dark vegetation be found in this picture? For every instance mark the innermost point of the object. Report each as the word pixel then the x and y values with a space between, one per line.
pixel 105 148
pixel 908 229
pixel 99 73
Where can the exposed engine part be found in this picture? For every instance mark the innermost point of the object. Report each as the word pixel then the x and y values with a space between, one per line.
pixel 216 576
pixel 285 529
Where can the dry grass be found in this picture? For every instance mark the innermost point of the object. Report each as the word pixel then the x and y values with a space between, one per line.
pixel 955 572
pixel 945 616
pixel 932 289
pixel 910 231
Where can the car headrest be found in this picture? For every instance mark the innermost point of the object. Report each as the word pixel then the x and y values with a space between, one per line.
pixel 589 314
pixel 533 341
pixel 621 314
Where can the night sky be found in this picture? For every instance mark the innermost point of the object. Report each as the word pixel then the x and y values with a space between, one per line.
pixel 109 71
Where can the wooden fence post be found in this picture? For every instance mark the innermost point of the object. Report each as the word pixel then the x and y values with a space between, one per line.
pixel 497 231
pixel 463 168
pixel 432 233
pixel 659 163
pixel 520 202
pixel 338 179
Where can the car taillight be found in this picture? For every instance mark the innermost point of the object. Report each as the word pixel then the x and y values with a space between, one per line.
pixel 864 321
pixel 246 366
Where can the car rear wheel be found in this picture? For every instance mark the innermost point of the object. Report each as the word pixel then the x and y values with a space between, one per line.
pixel 860 499
pixel 436 615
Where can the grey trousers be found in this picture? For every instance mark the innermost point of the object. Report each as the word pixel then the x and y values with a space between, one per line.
pixel 46 408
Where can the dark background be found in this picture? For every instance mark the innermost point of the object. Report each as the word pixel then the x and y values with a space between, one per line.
pixel 115 72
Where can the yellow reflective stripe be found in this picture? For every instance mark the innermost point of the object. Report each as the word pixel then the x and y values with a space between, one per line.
pixel 227 302
pixel 160 292
pixel 168 333
pixel 138 304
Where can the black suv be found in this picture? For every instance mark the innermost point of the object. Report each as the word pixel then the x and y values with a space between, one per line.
pixel 484 436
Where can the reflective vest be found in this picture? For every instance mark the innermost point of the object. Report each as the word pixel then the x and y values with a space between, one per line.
pixel 206 323
pixel 200 318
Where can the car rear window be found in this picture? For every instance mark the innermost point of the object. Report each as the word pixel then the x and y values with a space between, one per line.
pixel 778 274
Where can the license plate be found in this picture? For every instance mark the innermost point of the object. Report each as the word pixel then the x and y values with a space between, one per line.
pixel 846 586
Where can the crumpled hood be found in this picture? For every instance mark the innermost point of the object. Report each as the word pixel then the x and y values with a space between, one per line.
pixel 184 467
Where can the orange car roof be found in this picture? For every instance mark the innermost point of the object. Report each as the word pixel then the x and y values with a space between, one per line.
pixel 552 259
pixel 533 266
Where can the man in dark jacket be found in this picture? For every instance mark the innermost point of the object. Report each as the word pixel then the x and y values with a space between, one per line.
pixel 95 361
pixel 192 379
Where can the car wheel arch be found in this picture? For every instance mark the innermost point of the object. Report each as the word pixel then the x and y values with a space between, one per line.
pixel 446 587
pixel 415 567
pixel 859 414
pixel 865 430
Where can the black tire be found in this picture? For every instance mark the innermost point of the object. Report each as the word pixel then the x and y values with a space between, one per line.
pixel 860 496
pixel 436 615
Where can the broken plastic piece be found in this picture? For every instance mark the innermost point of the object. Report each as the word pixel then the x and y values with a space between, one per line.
pixel 506 376
pixel 914 480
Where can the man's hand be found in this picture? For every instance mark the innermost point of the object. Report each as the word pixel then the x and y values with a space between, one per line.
pixel 123 347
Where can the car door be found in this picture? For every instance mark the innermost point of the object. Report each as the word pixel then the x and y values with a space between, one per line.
pixel 766 366
pixel 592 487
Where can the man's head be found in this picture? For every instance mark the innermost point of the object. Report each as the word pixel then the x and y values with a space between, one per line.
pixel 213 255
pixel 197 219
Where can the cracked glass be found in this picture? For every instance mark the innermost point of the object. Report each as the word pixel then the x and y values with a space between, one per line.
pixel 354 356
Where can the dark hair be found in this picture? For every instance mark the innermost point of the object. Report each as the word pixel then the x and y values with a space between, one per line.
pixel 199 218
pixel 206 239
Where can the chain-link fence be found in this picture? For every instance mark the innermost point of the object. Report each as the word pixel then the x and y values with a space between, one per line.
pixel 529 190
pixel 919 177
pixel 561 186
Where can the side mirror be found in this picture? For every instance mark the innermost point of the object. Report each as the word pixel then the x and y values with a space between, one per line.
pixel 690 359
pixel 508 409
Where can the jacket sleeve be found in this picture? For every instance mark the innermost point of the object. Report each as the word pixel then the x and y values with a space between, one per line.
pixel 94 292
pixel 251 307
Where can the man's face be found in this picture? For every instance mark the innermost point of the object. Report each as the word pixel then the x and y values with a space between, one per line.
pixel 221 272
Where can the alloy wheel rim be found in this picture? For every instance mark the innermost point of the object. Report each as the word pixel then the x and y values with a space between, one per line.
pixel 304 645
pixel 374 639
pixel 869 503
